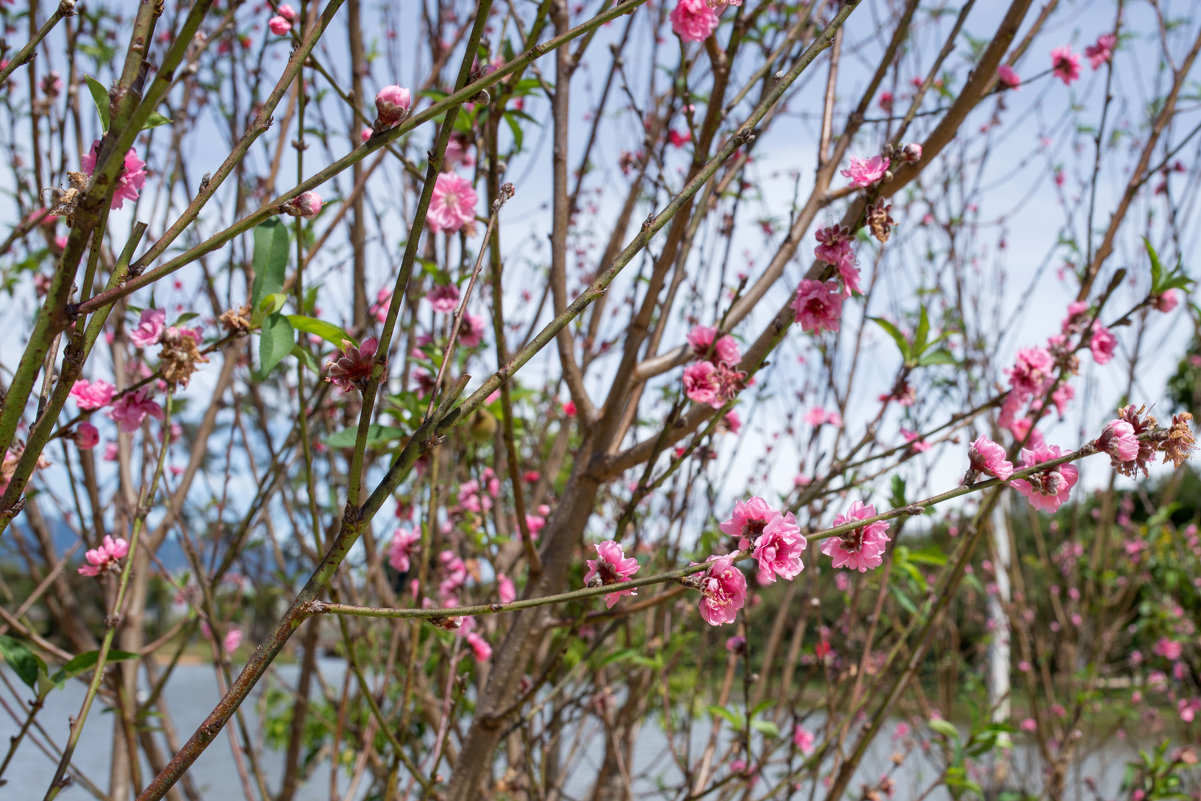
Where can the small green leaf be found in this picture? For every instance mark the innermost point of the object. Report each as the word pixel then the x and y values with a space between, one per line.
pixel 945 728
pixel 1156 267
pixel 895 333
pixel 155 119
pixel 940 356
pixel 923 332
pixel 275 342
pixel 733 716
pixel 306 358
pixel 100 98
pixel 272 303
pixel 24 662
pixel 766 727
pixel 270 260
pixel 85 662
pixel 327 331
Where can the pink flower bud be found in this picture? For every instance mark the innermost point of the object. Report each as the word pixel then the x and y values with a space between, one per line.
pixel 391 106
pixel 287 12
pixel 279 26
pixel 309 205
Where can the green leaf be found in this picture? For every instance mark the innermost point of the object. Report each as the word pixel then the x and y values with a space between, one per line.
pixel 940 356
pixel 271 304
pixel 1156 267
pixel 24 662
pixel 735 717
pixel 376 435
pixel 327 331
pixel 897 494
pixel 306 358
pixel 155 119
pixel 85 662
pixel 945 728
pixel 270 260
pixel 766 727
pixel 275 342
pixel 923 332
pixel 895 333
pixel 100 98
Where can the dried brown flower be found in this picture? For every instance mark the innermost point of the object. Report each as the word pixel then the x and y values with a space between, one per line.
pixel 1178 445
pixel 236 321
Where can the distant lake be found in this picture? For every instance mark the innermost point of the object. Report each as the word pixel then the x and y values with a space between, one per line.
pixel 192 693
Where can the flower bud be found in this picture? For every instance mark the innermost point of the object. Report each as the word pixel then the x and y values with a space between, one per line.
pixel 391 106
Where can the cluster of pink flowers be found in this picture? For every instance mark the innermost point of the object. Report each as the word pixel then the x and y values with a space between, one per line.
pixel 818 416
pixel 281 23
pixel 400 551
pixel 716 379
pixel 611 566
pixel 860 548
pixel 452 205
pixel 105 558
pixel 129 183
pixel 1033 373
pixel 774 541
pixel 1101 51
pixel 834 247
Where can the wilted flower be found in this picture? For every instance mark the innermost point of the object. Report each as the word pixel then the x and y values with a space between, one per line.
pixel 352 369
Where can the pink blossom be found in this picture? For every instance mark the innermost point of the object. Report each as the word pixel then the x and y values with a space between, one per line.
pixel 308 205
pixel 679 138
pixel 1102 344
pixel 1031 371
pixel 1100 52
pixel 279 26
pixel 732 421
pixel 471 330
pixel 287 12
pixel 735 644
pixel 104 559
pixel 723 589
pixel 803 739
pixel 443 297
pixel 1169 649
pixel 748 520
pixel 392 105
pixel 778 549
pixel 453 203
pixel 1047 489
pixel 232 639
pixel 1165 301
pixel 611 566
pixel 400 551
pixel 1062 396
pixel 129 412
pixel 86 436
pixel 352 368
pixel 131 180
pixel 885 101
pixel 835 248
pixel 1007 76
pixel 865 172
pixel 1119 441
pixel 693 20
pixel 505 589
pixel 915 440
pixel 458 151
pixel 480 648
pixel 149 329
pixel 92 395
pixel 911 153
pixel 986 456
pixel 818 306
pixel 860 548
pixel 1029 724
pixel 725 350
pixel 700 384
pixel 1065 64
